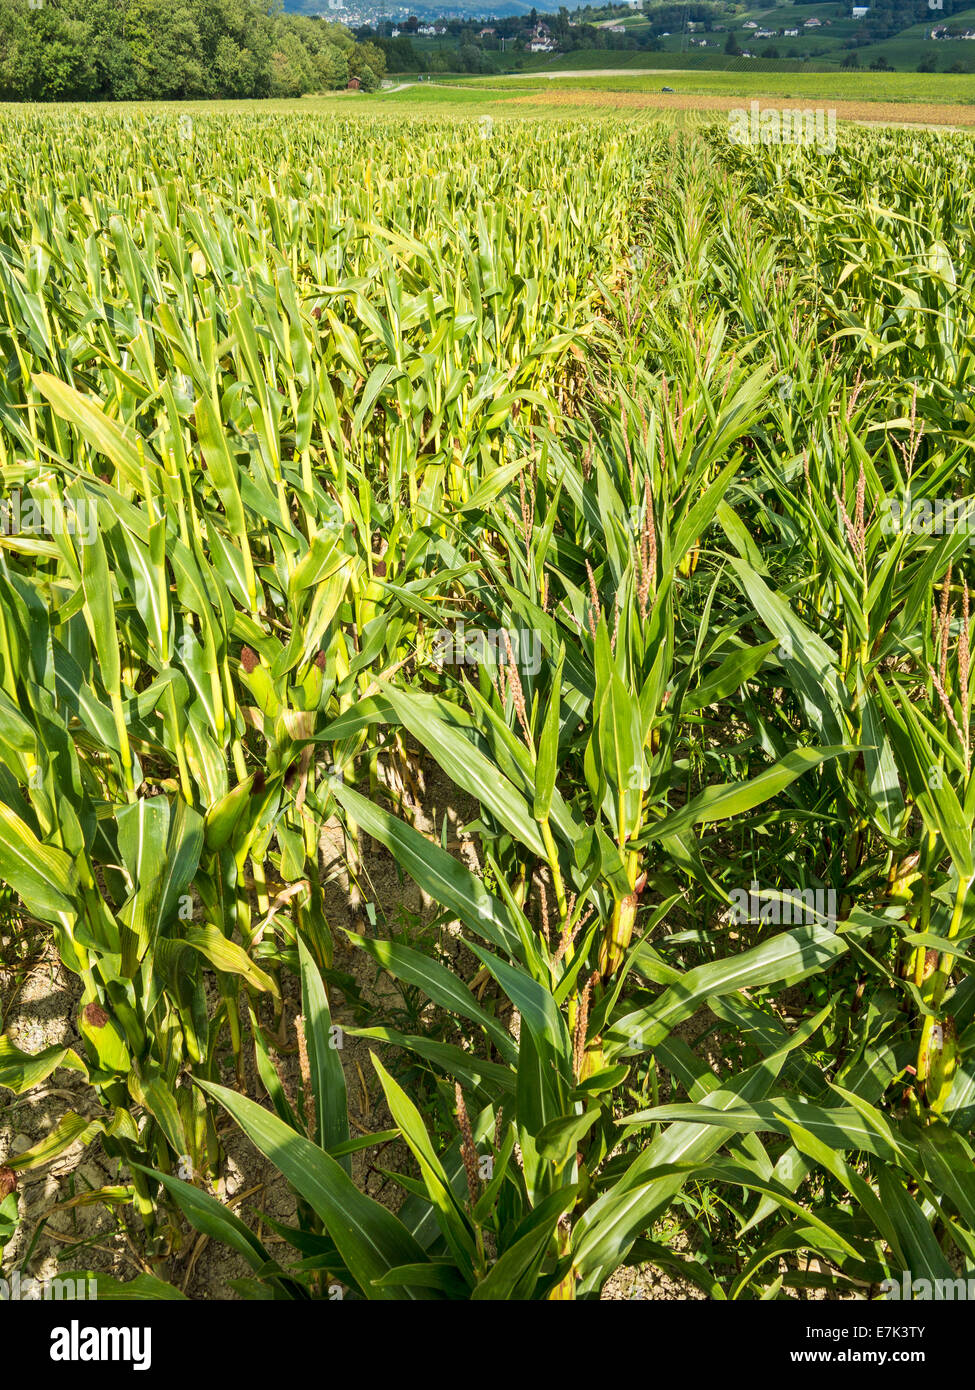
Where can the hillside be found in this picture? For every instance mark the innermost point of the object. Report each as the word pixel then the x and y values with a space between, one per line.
pixel 713 34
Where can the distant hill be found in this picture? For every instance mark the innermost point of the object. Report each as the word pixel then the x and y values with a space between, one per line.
pixel 900 34
pixel 357 12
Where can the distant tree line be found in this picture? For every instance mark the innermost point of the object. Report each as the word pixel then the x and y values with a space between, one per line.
pixel 134 50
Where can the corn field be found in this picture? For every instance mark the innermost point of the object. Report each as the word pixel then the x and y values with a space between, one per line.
pixel 573 519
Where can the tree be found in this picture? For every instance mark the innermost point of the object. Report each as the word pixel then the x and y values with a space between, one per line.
pixel 401 56
pixel 292 71
pixel 850 61
pixel 731 44
pixel 132 50
pixel 363 56
pixel 333 67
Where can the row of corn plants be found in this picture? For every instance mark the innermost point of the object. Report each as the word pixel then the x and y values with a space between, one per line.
pixel 296 402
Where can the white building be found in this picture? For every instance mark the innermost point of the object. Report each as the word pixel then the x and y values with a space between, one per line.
pixel 859 11
pixel 812 24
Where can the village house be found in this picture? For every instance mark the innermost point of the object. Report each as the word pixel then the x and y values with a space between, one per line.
pixel 541 39
pixel 813 23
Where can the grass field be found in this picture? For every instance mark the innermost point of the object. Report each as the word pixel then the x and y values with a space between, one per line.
pixel 948 89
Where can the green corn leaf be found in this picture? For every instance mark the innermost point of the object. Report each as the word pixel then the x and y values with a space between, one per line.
pixel 327 1076
pixel 368 1237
